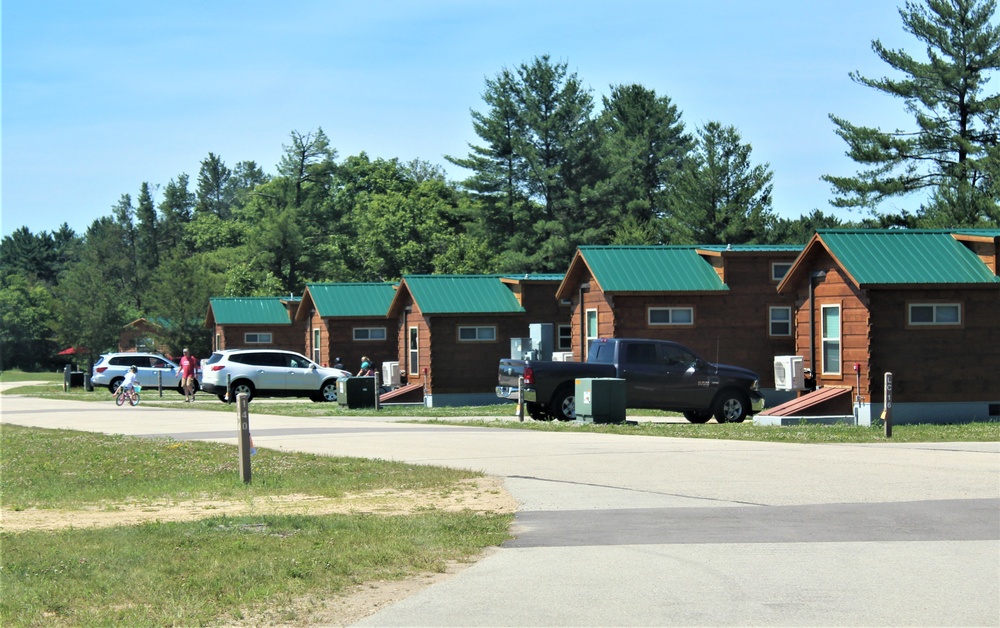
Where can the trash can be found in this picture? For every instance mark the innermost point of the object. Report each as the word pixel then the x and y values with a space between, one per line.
pixel 600 400
pixel 356 392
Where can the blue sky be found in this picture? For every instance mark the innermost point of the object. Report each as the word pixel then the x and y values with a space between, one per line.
pixel 101 96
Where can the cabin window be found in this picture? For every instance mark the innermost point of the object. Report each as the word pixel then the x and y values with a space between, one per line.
pixel 369 333
pixel 257 338
pixel 218 342
pixel 922 314
pixel 414 351
pixel 779 270
pixel 477 334
pixel 670 315
pixel 565 340
pixel 316 346
pixel 831 339
pixel 780 320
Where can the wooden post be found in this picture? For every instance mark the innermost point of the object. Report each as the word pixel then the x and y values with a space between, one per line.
pixel 243 416
pixel 520 399
pixel 159 381
pixel 887 412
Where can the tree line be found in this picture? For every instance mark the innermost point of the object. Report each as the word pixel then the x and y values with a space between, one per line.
pixel 552 169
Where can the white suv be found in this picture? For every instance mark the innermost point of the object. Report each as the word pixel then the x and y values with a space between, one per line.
pixel 152 370
pixel 268 373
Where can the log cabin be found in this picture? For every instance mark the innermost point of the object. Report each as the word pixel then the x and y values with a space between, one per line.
pixel 923 305
pixel 349 321
pixel 255 322
pixel 454 329
pixel 721 301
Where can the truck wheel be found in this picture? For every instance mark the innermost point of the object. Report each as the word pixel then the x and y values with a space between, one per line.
pixel 694 416
pixel 563 405
pixel 536 412
pixel 731 406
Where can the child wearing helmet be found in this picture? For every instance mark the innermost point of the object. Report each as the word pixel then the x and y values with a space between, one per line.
pixel 366 368
pixel 130 380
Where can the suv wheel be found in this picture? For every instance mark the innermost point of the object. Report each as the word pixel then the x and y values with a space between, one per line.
pixel 241 386
pixel 327 392
pixel 115 383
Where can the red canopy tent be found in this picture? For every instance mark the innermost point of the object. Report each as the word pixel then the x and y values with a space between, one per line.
pixel 69 351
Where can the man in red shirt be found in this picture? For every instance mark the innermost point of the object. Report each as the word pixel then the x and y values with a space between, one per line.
pixel 188 370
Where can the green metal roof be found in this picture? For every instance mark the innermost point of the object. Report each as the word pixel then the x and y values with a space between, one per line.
pixel 752 248
pixel 905 256
pixel 250 310
pixel 342 300
pixel 537 277
pixel 651 269
pixel 462 294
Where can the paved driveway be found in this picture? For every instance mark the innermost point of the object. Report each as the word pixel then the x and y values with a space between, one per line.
pixel 643 531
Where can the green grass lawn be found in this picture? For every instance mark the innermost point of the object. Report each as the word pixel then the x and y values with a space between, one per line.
pixel 255 568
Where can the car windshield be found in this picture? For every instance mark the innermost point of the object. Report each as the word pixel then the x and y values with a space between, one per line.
pixel 212 359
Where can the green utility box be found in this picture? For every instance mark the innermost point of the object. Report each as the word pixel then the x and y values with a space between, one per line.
pixel 600 400
pixel 356 392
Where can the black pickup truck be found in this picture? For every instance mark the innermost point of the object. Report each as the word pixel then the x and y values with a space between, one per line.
pixel 658 374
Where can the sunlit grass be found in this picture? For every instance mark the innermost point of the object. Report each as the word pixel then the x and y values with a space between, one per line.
pixel 218 570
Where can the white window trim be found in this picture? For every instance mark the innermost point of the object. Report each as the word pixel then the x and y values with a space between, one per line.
pixel 934 308
pixel 316 345
pixel 354 334
pixel 478 328
pixel 824 339
pixel 672 309
pixel 413 350
pixel 771 321
pixel 587 338
pixel 260 335
pixel 774 276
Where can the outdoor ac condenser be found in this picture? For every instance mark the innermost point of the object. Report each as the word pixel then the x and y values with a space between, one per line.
pixel 788 372
pixel 390 374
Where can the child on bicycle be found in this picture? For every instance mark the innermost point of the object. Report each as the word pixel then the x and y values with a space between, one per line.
pixel 128 384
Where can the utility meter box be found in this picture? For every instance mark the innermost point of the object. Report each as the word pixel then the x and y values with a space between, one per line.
pixel 356 392
pixel 600 400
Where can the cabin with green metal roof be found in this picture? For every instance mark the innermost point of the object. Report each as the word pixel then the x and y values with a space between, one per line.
pixel 255 322
pixel 349 321
pixel 718 300
pixel 921 304
pixel 454 329
pixel 145 335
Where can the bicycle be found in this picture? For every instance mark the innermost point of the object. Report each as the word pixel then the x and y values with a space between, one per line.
pixel 125 395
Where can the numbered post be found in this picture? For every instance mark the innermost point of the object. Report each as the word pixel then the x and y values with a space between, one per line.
pixel 887 412
pixel 243 416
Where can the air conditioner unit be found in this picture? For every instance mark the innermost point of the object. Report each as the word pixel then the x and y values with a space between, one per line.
pixel 390 374
pixel 788 372
pixel 562 356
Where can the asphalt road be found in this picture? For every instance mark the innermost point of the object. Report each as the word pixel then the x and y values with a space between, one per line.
pixel 644 531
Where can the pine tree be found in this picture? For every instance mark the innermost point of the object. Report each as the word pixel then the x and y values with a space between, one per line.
pixel 950 154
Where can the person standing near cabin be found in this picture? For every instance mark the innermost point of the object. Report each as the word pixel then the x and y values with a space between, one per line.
pixel 366 368
pixel 187 373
